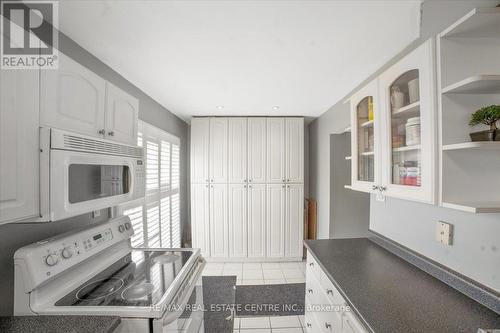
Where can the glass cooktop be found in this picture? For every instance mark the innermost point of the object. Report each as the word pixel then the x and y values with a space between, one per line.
pixel 140 278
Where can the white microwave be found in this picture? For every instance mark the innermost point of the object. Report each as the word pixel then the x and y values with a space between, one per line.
pixel 80 174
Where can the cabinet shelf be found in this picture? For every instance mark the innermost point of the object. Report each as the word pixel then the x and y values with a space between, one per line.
pixel 480 22
pixel 477 84
pixel 407 111
pixel 474 207
pixel 368 123
pixel 348 158
pixel 473 145
pixel 406 148
pixel 367 153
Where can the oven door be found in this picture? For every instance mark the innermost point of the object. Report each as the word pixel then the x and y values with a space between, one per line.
pixel 84 182
pixel 187 313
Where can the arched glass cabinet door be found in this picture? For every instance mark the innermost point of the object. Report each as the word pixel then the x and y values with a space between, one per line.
pixel 405 138
pixel 364 124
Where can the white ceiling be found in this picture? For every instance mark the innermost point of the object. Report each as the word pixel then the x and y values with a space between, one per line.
pixel 192 56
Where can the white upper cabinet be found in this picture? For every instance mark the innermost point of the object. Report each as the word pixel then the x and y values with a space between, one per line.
pixel 237 220
pixel 256 220
pixel 276 150
pixel 122 115
pixel 219 234
pixel 200 143
pixel 365 138
pixel 200 217
pixel 294 152
pixel 218 150
pixel 275 233
pixel 257 150
pixel 407 92
pixel 19 145
pixel 237 167
pixel 294 217
pixel 72 98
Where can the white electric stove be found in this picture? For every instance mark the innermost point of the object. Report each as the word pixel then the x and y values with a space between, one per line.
pixel 95 271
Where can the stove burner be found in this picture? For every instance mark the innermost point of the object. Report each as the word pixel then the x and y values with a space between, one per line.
pixel 138 291
pixel 99 289
pixel 166 258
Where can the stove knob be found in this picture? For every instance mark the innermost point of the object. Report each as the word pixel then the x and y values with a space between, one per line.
pixel 128 225
pixel 51 259
pixel 121 228
pixel 67 252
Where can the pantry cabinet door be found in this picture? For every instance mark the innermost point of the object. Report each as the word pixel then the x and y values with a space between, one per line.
pixel 19 145
pixel 256 220
pixel 275 221
pixel 200 218
pixel 72 98
pixel 122 115
pixel 238 221
pixel 219 234
pixel 408 103
pixel 294 217
pixel 218 150
pixel 294 152
pixel 365 138
pixel 276 150
pixel 237 166
pixel 257 150
pixel 200 143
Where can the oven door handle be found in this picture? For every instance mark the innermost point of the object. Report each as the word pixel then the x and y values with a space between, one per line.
pixel 169 316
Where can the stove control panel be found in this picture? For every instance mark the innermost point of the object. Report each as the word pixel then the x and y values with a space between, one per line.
pixel 45 259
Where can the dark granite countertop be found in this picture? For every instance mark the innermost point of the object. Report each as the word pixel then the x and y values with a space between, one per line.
pixel 390 295
pixel 59 324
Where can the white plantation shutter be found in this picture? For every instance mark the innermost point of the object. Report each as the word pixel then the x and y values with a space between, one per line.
pixel 156 218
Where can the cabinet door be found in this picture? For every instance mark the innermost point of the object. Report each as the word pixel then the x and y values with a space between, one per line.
pixel 257 150
pixel 256 220
pixel 122 115
pixel 275 221
pixel 237 166
pixel 294 152
pixel 218 150
pixel 200 218
pixel 19 145
pixel 275 150
pixel 200 138
pixel 218 221
pixel 294 220
pixel 365 138
pixel 237 220
pixel 72 98
pixel 409 142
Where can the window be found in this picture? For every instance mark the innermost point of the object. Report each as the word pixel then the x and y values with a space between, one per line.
pixel 156 219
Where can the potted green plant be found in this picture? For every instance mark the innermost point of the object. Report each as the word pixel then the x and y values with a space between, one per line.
pixel 488 115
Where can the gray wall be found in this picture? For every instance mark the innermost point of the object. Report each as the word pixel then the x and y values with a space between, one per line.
pixel 476 249
pixel 14 236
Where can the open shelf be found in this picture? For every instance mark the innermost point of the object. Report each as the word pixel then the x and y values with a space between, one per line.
pixel 477 84
pixel 475 207
pixel 407 111
pixel 368 153
pixel 473 145
pixel 367 124
pixel 406 148
pixel 480 22
pixel 348 158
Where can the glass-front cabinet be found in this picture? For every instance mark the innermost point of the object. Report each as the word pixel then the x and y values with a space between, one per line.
pixel 364 138
pixel 393 124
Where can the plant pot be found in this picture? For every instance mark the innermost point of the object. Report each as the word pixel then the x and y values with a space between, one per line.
pixel 489 135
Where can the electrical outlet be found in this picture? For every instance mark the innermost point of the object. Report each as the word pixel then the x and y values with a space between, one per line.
pixel 96 214
pixel 444 233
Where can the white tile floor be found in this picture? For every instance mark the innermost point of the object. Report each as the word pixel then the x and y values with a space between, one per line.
pixel 259 273
pixel 282 324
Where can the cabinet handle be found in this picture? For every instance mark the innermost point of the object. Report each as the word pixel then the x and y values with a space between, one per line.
pixel 250 180
pixel 212 180
pixel 310 291
pixel 328 326
pixel 249 186
pixel 283 180
pixel 244 186
pixel 102 132
pixel 382 188
pixel 309 325
pixel 311 264
pixel 329 291
pixel 288 180
pixel 283 186
pixel 111 133
pixel 374 187
pixel 206 180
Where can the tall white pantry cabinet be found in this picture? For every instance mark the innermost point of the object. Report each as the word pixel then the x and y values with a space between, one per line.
pixel 247 187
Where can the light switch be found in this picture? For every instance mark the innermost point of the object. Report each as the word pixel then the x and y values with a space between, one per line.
pixel 96 214
pixel 444 233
